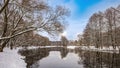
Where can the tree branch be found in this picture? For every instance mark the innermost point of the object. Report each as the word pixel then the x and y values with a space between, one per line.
pixel 6 3
pixel 25 31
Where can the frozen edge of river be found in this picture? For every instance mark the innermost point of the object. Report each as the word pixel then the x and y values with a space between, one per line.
pixel 109 49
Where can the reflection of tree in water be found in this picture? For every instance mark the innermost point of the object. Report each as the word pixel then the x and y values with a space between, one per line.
pixel 88 59
pixel 64 52
pixel 34 55
pixel 99 59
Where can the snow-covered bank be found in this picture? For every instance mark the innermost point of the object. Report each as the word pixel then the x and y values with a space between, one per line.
pixel 11 59
pixel 109 49
pixel 34 47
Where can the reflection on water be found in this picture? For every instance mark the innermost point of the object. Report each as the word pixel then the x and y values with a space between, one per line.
pixel 63 57
pixel 100 60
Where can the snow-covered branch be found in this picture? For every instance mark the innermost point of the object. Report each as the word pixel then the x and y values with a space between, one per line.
pixel 22 32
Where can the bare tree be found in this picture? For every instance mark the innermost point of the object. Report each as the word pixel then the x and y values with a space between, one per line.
pixel 64 41
pixel 103 29
pixel 21 16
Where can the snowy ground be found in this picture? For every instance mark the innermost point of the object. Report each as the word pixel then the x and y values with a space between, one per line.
pixel 11 59
pixel 109 49
pixel 34 47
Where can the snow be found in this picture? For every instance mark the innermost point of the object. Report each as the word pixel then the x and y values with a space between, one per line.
pixel 11 59
pixel 34 47
pixel 109 49
pixel 71 47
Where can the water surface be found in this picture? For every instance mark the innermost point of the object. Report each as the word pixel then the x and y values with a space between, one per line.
pixel 63 57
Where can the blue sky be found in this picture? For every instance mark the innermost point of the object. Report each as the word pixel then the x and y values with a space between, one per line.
pixel 81 10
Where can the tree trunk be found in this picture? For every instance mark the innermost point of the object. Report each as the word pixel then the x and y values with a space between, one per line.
pixel 3 44
pixel 1 50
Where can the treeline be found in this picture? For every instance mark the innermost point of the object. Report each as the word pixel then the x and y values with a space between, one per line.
pixel 103 29
pixel 64 41
pixel 18 17
pixel 30 39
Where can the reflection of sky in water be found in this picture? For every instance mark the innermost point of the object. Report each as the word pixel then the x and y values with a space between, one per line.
pixel 54 60
pixel 62 57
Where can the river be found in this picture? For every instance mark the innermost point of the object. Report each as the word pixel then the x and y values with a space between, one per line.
pixel 63 57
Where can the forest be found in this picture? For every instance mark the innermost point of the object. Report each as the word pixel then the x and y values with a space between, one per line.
pixel 102 29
